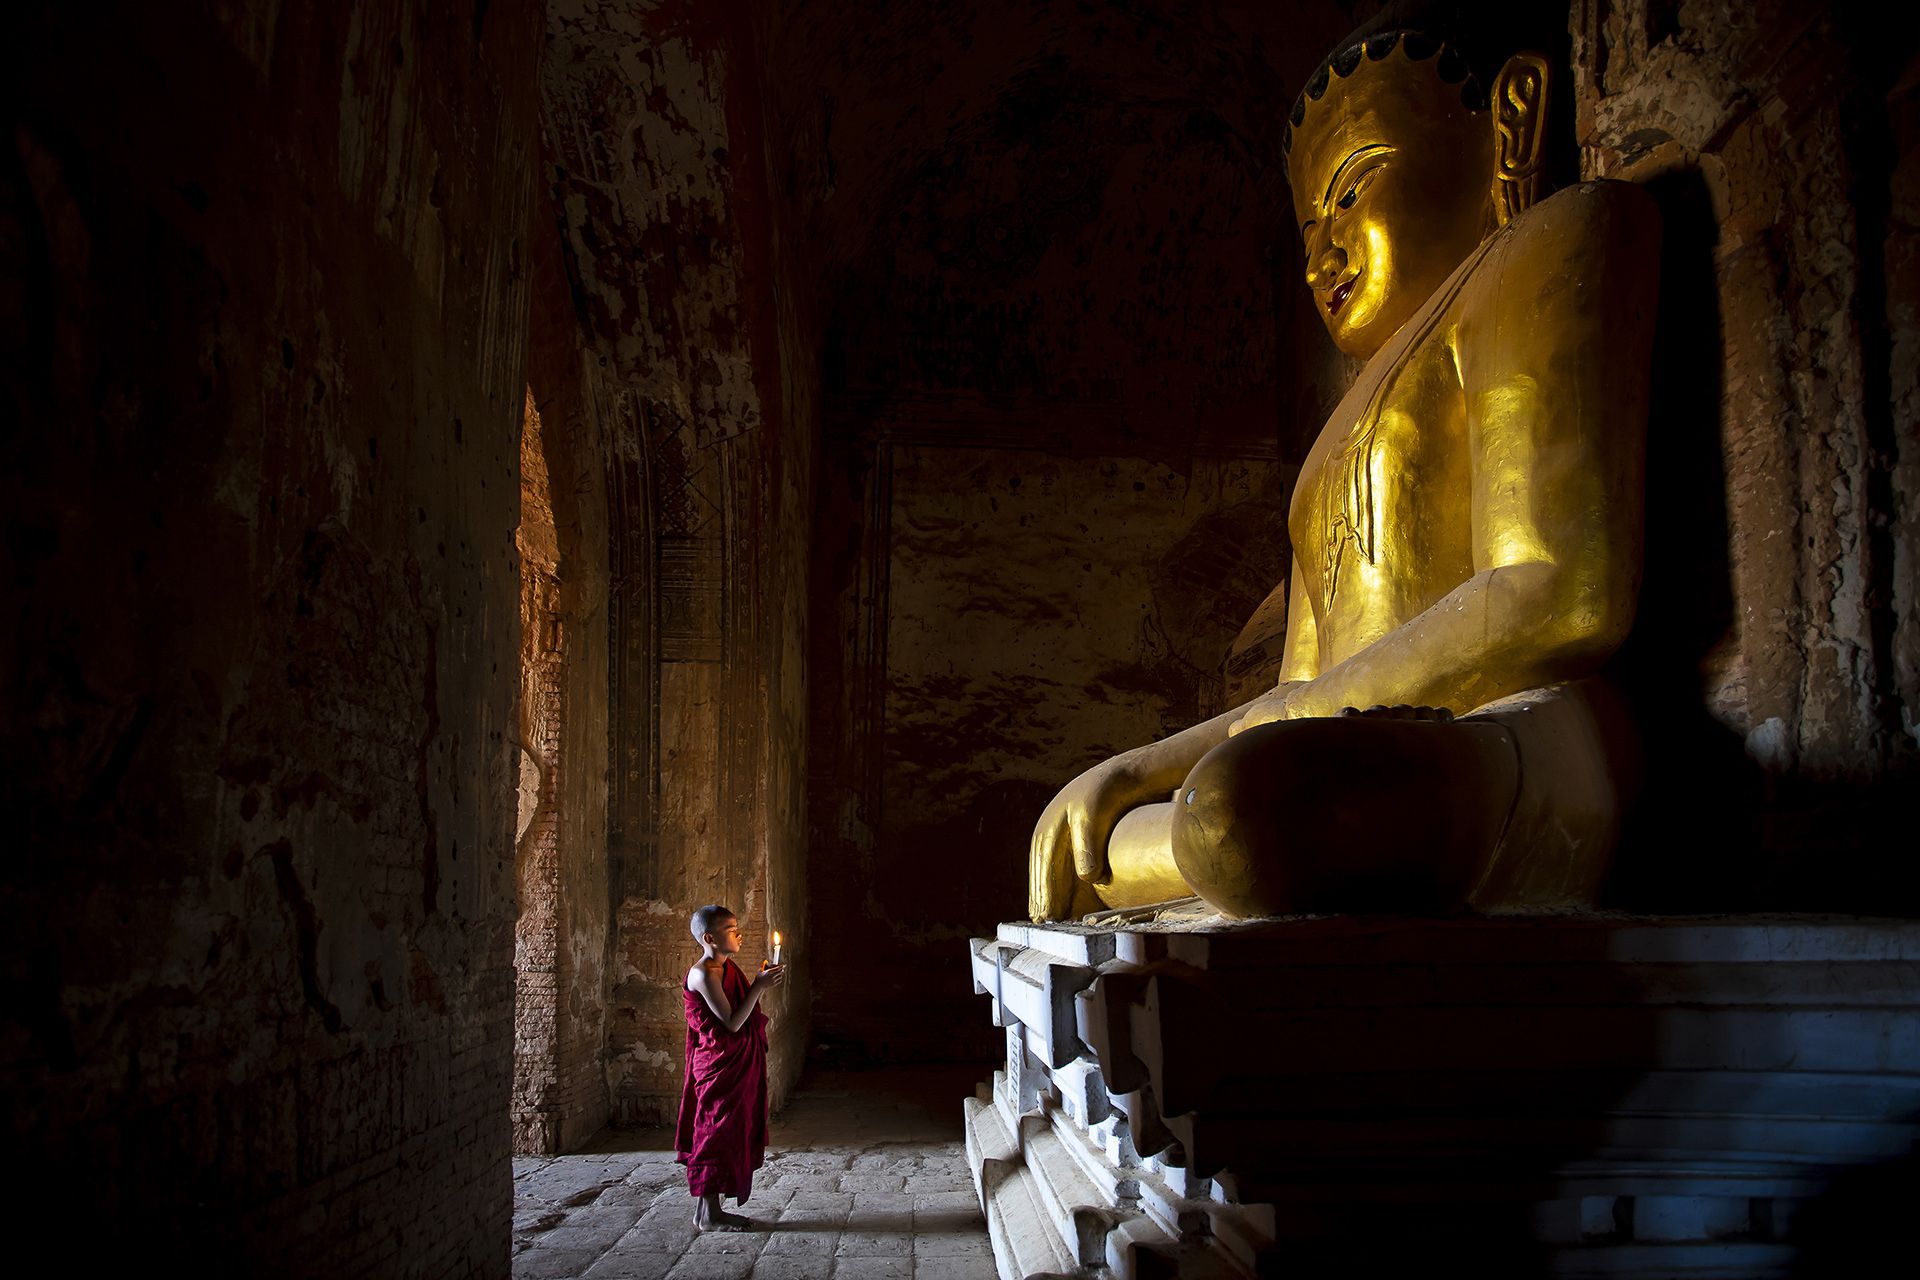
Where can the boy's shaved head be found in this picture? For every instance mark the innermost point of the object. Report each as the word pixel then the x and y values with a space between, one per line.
pixel 706 918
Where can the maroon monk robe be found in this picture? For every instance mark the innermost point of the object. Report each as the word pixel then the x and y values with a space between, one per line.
pixel 722 1135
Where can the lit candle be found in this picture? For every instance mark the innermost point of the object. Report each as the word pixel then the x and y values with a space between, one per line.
pixel 776 946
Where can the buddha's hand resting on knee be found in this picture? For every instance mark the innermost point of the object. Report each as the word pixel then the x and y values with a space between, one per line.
pixel 1070 840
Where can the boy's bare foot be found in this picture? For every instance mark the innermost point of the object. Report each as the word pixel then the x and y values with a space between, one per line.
pixel 711 1217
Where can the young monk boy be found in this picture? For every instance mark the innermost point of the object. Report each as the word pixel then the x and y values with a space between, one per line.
pixel 722 1134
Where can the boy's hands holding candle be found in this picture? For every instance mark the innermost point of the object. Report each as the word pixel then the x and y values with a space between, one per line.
pixel 773 973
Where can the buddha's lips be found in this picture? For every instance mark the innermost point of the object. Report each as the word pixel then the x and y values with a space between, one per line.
pixel 1338 297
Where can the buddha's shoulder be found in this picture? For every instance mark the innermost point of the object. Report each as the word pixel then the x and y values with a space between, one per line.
pixel 1593 220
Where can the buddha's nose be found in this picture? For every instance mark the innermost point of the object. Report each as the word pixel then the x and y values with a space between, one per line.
pixel 1325 265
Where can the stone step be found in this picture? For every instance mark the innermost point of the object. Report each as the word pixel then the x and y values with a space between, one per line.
pixel 1090 1150
pixel 991 1145
pixel 1139 1249
pixel 1227 1139
pixel 1080 1213
pixel 1025 1243
pixel 1185 1208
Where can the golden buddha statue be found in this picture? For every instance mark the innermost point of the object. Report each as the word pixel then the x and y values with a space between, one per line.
pixel 1466 537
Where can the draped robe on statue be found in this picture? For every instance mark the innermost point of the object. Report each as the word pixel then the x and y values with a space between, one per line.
pixel 722 1134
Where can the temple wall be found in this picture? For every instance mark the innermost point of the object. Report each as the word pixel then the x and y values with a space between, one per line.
pixel 1783 447
pixel 1068 378
pixel 657 174
pixel 264 383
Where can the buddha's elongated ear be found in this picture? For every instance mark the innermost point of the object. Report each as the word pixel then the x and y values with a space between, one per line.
pixel 1519 134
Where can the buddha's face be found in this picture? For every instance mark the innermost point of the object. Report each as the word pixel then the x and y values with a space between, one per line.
pixel 1391 181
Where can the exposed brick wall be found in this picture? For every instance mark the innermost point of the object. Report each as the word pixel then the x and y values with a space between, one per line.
pixel 701 378
pixel 263 388
pixel 538 959
pixel 567 517
pixel 1778 625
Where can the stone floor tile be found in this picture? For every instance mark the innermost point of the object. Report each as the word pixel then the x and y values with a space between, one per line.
pixel 713 1266
pixel 750 1242
pixel 881 1200
pixel 564 1189
pixel 597 1237
pixel 959 1267
pixel 644 1239
pixel 553 1264
pixel 856 1170
pixel 802 1243
pixel 936 1184
pixel 879 1211
pixel 948 1222
pixel 872 1182
pixel 945 1202
pixel 621 1263
pixel 957 1244
pixel 595 1228
pixel 668 1208
pixel 763 1198
pixel 874 1244
pixel 823 1207
pixel 807 1180
pixel 873 1269
pixel 601 1214
pixel 673 1233
pixel 537 1219
pixel 836 1160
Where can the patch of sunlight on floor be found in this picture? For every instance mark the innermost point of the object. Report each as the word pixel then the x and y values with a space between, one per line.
pixel 865 1179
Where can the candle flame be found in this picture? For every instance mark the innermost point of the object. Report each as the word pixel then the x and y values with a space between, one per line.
pixel 776 937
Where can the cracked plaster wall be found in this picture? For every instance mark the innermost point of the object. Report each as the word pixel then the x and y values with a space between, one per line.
pixel 263 390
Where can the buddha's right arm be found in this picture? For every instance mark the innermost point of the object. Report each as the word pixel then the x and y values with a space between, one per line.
pixel 1070 840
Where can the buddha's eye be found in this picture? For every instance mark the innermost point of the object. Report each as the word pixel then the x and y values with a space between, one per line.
pixel 1360 184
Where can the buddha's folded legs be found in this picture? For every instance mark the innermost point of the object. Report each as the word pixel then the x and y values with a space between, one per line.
pixel 1140 860
pixel 1516 804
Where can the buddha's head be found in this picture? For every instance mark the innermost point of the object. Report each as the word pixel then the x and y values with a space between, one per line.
pixel 1402 160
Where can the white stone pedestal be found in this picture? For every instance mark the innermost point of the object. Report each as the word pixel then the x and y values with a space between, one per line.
pixel 1561 1095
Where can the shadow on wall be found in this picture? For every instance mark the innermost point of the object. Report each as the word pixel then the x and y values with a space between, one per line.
pixel 1723 822
pixel 1695 826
